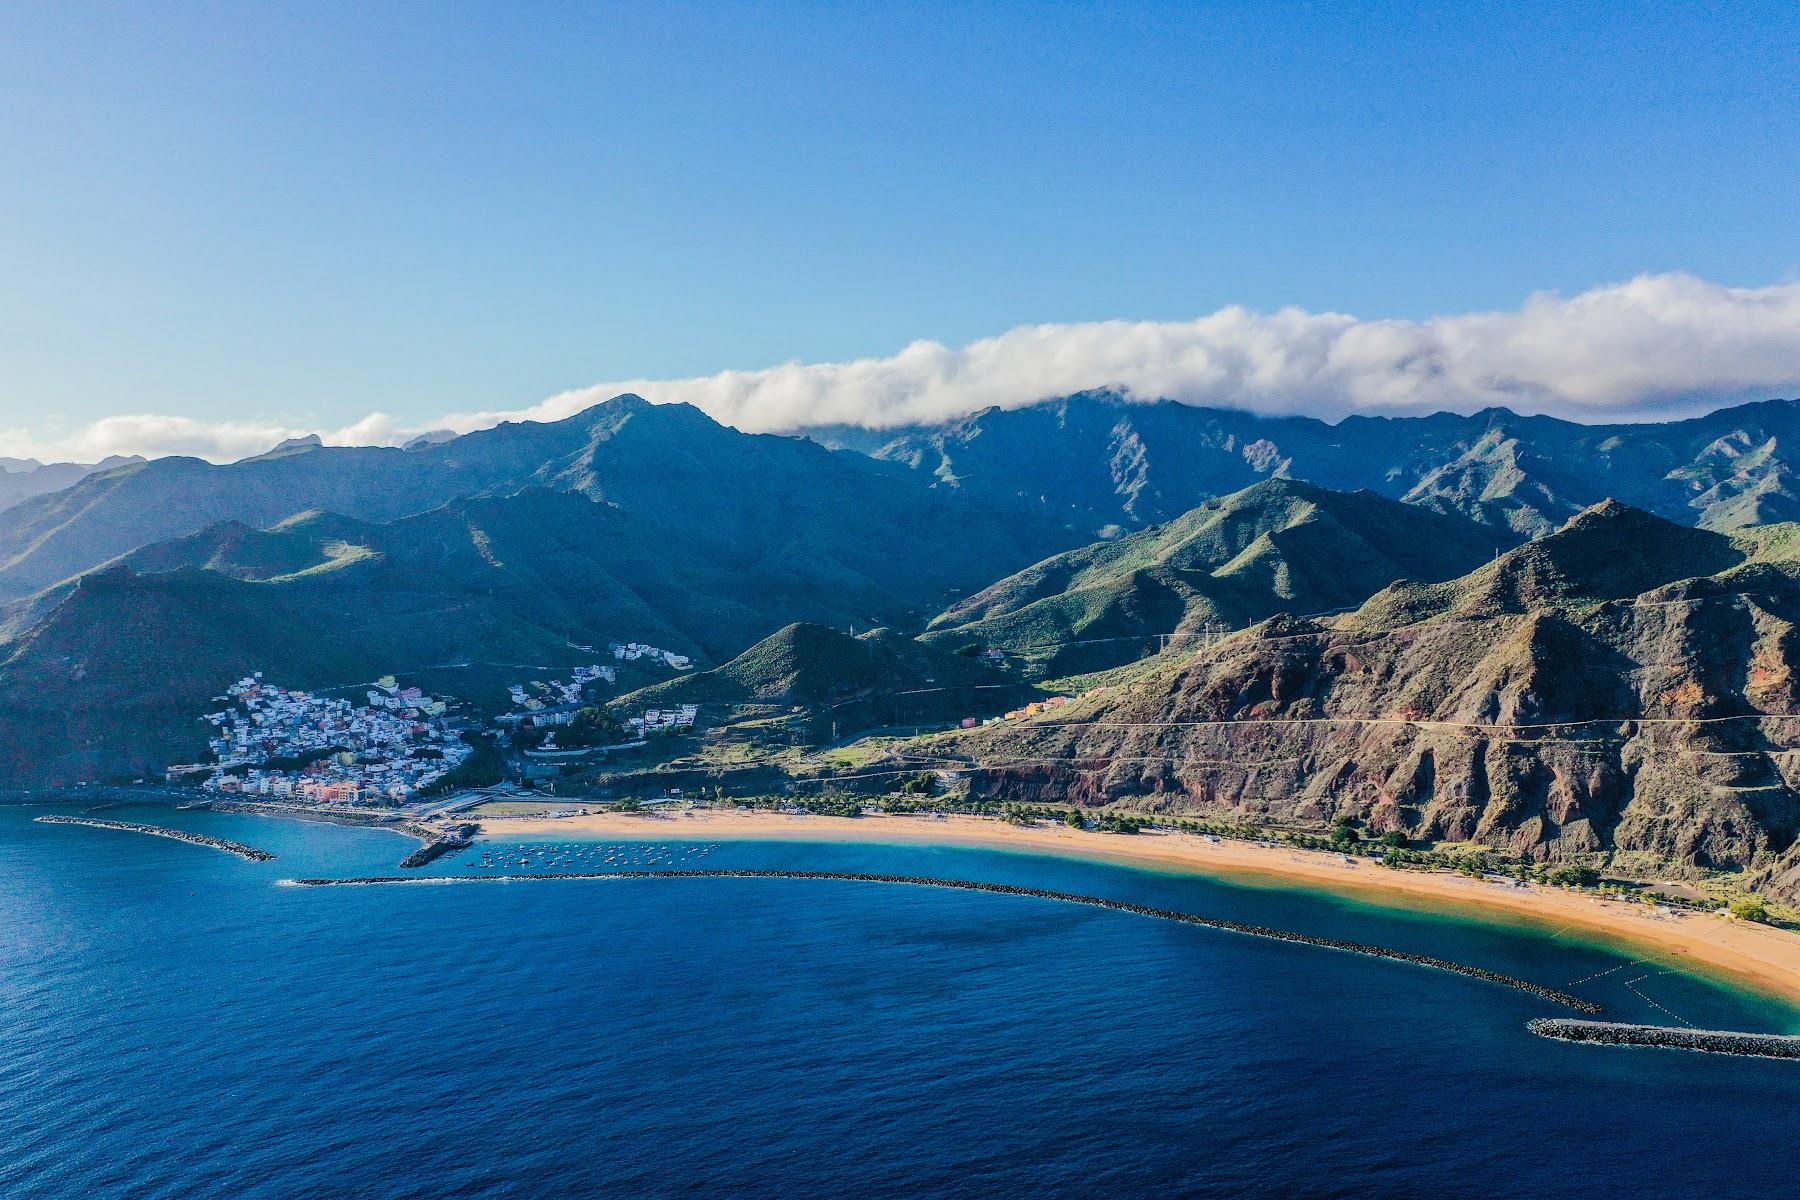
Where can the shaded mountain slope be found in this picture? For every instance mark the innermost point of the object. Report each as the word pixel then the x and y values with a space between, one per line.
pixel 21 479
pixel 840 516
pixel 1279 545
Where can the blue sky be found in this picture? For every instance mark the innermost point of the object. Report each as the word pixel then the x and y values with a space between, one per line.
pixel 303 214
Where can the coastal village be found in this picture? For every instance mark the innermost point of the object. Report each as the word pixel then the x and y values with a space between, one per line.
pixel 636 651
pixel 270 742
pixel 274 742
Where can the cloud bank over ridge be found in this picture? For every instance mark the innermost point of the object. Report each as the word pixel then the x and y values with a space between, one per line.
pixel 1654 346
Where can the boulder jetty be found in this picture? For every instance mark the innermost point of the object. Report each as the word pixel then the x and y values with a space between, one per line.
pixel 179 835
pixel 1668 1037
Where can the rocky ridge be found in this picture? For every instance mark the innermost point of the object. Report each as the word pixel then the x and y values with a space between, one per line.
pixel 1622 688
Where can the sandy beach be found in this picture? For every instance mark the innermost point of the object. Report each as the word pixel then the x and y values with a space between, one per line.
pixel 1755 955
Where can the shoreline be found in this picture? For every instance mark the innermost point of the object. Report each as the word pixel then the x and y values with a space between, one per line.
pixel 1765 959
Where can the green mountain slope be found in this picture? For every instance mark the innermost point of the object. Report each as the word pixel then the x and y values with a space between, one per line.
pixel 1609 552
pixel 806 663
pixel 878 677
pixel 1276 546
pixel 312 541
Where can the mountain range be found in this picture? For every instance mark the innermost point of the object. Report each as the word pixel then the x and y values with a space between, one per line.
pixel 743 497
pixel 1103 463
pixel 107 672
pixel 1563 639
pixel 23 478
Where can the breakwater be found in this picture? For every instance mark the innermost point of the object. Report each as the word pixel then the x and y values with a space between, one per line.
pixel 179 835
pixel 1668 1037
pixel 439 844
pixel 1007 889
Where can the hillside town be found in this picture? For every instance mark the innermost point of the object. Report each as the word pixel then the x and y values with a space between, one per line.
pixel 1034 709
pixel 274 742
pixel 539 696
pixel 542 703
pixel 637 651
pixel 662 720
pixel 547 704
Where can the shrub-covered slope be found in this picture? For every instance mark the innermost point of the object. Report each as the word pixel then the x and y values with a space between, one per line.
pixel 1624 686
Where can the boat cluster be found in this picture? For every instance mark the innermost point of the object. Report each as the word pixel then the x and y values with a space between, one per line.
pixel 588 856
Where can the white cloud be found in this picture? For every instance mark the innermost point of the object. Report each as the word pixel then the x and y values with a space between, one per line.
pixel 1650 346
pixel 1655 345
pixel 154 435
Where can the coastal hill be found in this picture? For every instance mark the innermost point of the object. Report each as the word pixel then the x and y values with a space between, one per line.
pixel 1104 463
pixel 1277 546
pixel 1622 685
pixel 877 677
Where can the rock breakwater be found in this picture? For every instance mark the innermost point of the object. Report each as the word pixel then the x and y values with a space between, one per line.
pixel 179 835
pixel 436 844
pixel 1668 1037
pixel 1006 889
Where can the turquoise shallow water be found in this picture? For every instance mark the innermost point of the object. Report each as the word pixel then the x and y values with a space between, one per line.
pixel 173 1024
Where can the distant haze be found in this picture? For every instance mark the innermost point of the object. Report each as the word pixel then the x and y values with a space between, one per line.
pixel 1653 347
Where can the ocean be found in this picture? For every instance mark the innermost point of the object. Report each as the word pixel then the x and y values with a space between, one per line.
pixel 174 1024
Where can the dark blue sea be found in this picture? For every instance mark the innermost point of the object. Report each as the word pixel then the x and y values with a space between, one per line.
pixel 174 1024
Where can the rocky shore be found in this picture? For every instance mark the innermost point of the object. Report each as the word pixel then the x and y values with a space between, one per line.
pixel 1708 1041
pixel 969 885
pixel 179 835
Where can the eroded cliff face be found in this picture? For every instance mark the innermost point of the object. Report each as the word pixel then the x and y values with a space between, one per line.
pixel 1655 727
